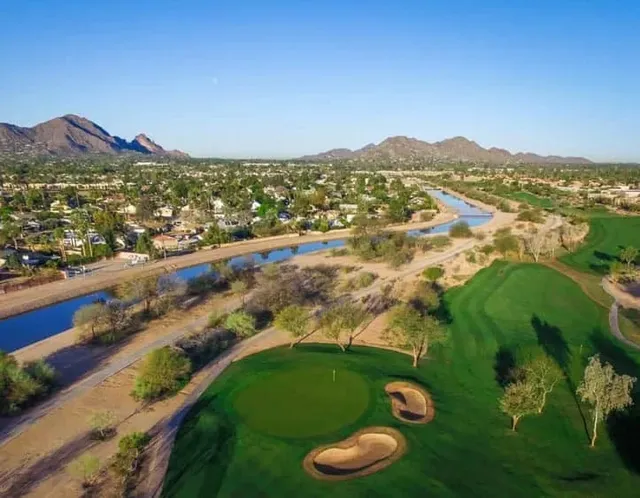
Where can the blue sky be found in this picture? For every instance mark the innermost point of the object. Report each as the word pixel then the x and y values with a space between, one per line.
pixel 255 78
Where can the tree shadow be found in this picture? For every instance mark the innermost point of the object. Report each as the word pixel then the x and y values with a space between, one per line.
pixel 555 346
pixel 24 480
pixel 504 366
pixel 623 427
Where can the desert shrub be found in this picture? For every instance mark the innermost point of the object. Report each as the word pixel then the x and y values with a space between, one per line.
pixel 20 387
pixel 487 249
pixel 164 372
pixel 440 241
pixel 426 297
pixel 202 347
pixel 365 279
pixel 432 273
pixel 126 462
pixel 426 216
pixel 335 252
pixel 479 236
pixel 505 206
pixel 241 323
pixel 103 425
pixel 471 257
pixel 85 468
pixel 216 319
pixel 530 215
pixel 460 230
pixel 394 248
pixel 506 244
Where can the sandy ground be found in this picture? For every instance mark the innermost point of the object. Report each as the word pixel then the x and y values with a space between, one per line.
pixel 410 403
pixel 29 299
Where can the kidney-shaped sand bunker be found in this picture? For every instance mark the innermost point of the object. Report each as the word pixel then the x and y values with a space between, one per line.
pixel 363 453
pixel 410 402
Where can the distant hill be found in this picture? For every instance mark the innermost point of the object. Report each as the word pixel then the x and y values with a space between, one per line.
pixel 452 149
pixel 73 135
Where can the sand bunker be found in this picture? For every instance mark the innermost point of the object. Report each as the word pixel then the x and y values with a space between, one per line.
pixel 365 452
pixel 410 403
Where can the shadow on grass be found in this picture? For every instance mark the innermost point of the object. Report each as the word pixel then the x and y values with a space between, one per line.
pixel 623 427
pixel 202 452
pixel 553 343
pixel 504 366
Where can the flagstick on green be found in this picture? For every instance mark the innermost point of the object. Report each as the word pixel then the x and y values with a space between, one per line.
pixel 334 375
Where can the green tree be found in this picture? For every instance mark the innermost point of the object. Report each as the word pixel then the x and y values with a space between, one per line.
pixel 629 255
pixel 605 390
pixel 410 330
pixel 519 399
pixel 86 468
pixel 240 288
pixel 143 289
pixel 127 460
pixel 102 424
pixel 433 273
pixel 144 245
pixel 90 318
pixel 164 372
pixel 241 323
pixel 342 319
pixel 293 319
pixel 460 230
pixel 10 232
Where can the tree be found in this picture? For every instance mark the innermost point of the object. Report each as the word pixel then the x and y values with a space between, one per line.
pixel 215 236
pixel 10 232
pixel 86 468
pixel 543 373
pixel 461 230
pixel 519 399
pixel 241 323
pixel 115 317
pixel 90 318
pixel 605 390
pixel 164 371
pixel 507 243
pixel 145 208
pixel 425 298
pixel 534 242
pixel 143 289
pixel 239 287
pixel 144 245
pixel 127 459
pixel 295 320
pixel 340 319
pixel 410 330
pixel 629 255
pixel 58 235
pixel 433 273
pixel 102 424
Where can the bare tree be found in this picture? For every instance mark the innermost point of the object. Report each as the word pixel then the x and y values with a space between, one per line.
pixel 543 373
pixel 534 243
pixel 605 390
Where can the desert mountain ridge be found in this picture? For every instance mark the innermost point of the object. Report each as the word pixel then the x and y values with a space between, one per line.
pixel 73 135
pixel 401 148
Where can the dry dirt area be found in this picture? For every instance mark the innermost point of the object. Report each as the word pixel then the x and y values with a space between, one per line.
pixel 363 453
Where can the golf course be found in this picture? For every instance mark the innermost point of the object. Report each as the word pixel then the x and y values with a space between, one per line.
pixel 608 234
pixel 250 432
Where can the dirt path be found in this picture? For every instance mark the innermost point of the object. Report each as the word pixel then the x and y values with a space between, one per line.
pixel 614 323
pixel 44 295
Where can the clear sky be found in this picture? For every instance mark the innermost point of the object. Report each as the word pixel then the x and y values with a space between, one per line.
pixel 249 78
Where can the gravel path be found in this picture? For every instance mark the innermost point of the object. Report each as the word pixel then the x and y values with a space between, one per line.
pixel 614 324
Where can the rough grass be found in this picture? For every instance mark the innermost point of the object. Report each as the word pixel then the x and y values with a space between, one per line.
pixel 468 450
pixel 607 236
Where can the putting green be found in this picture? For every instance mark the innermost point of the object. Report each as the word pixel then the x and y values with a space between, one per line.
pixel 302 402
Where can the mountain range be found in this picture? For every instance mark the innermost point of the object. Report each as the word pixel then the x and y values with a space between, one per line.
pixel 73 135
pixel 452 149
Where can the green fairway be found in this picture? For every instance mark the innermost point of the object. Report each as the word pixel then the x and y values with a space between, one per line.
pixel 532 199
pixel 303 402
pixel 468 450
pixel 607 236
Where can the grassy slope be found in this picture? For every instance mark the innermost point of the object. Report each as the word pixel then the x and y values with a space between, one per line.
pixel 607 235
pixel 467 450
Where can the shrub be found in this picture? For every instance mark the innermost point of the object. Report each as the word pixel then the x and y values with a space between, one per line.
pixel 505 206
pixel 164 372
pixel 216 319
pixel 21 386
pixel 471 257
pixel 127 460
pixel 530 215
pixel 440 241
pixel 426 216
pixel 487 249
pixel 460 230
pixel 202 347
pixel 479 236
pixel 432 273
pixel 365 279
pixel 102 425
pixel 241 323
pixel 85 468
pixel 335 252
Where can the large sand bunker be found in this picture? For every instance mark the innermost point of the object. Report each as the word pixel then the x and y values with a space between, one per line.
pixel 363 453
pixel 410 403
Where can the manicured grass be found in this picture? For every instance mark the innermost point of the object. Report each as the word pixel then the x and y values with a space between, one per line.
pixel 532 199
pixel 303 402
pixel 468 449
pixel 607 236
